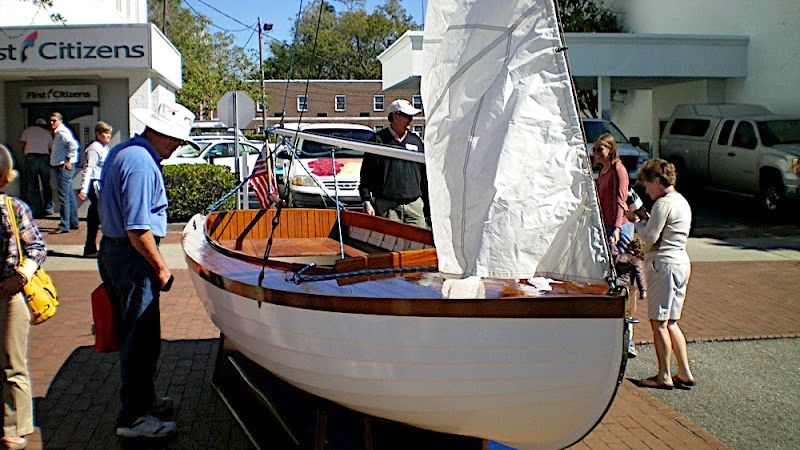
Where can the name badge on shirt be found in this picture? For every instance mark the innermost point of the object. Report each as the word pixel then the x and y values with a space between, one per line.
pixel 412 147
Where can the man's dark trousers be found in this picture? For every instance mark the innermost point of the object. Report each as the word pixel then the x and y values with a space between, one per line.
pixel 134 293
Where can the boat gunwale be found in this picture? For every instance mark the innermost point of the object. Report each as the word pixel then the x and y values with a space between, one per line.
pixel 556 306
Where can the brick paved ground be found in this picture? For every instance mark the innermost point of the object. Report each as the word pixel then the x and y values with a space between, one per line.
pixel 737 300
pixel 76 388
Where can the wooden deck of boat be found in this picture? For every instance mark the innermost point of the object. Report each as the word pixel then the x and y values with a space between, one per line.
pixel 282 247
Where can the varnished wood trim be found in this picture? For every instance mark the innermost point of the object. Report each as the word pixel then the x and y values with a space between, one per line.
pixel 386 226
pixel 580 306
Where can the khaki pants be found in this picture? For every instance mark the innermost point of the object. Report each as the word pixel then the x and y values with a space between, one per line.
pixel 410 213
pixel 15 327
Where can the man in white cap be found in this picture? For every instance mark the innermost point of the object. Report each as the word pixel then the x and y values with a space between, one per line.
pixel 396 188
pixel 133 208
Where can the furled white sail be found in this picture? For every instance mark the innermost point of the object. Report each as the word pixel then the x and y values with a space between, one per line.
pixel 511 191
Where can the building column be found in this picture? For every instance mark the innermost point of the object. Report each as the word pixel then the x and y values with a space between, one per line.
pixel 604 97
pixel 715 91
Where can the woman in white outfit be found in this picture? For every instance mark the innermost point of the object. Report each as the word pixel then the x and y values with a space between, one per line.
pixel 664 235
pixel 95 156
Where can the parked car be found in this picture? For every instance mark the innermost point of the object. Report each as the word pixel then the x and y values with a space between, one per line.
pixel 630 154
pixel 310 174
pixel 218 151
pixel 738 148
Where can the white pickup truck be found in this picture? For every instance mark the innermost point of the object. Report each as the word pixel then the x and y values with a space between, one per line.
pixel 733 147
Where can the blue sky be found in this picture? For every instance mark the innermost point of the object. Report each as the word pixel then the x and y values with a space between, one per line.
pixel 281 13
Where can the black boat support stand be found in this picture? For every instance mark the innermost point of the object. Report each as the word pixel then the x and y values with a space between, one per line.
pixel 276 415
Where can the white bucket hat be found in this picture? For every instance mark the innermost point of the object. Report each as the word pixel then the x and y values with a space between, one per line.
pixel 403 106
pixel 170 119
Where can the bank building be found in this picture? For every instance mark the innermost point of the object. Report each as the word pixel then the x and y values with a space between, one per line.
pixel 103 60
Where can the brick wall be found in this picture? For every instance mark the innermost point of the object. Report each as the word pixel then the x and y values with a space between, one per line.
pixel 359 98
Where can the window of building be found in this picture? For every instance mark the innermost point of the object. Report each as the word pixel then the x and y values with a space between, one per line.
pixel 260 107
pixel 377 103
pixel 302 103
pixel 340 103
pixel 416 101
pixel 418 129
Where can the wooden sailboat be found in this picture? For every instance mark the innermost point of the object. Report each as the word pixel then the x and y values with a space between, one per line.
pixel 498 324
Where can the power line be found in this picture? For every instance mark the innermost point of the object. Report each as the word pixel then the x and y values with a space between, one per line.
pixel 225 14
pixel 248 39
pixel 211 23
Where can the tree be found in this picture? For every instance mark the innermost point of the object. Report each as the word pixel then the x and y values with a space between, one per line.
pixel 347 44
pixel 47 4
pixel 212 64
pixel 586 16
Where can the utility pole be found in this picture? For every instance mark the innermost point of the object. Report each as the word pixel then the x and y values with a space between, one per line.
pixel 266 27
pixel 164 18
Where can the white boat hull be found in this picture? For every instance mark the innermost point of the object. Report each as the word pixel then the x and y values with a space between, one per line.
pixel 531 382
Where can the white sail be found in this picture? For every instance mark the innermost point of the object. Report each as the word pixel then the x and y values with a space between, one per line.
pixel 511 191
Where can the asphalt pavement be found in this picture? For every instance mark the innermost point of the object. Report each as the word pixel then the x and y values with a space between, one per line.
pixel 748 392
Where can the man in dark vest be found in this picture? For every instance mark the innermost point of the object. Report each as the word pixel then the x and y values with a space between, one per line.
pixel 396 188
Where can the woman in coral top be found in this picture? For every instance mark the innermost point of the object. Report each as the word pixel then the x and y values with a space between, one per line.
pixel 612 191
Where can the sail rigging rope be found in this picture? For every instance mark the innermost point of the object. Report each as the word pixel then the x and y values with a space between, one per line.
pixel 276 219
pixel 300 276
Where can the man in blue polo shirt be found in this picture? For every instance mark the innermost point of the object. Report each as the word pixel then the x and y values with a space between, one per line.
pixel 133 209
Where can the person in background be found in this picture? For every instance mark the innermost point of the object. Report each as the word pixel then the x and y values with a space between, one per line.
pixel 62 161
pixel 35 142
pixel 95 156
pixel 612 191
pixel 667 269
pixel 396 188
pixel 630 273
pixel 133 208
pixel 15 319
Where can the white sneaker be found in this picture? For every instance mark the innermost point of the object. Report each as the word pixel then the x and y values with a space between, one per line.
pixel 148 427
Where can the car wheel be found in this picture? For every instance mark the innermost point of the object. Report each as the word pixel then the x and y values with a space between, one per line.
pixel 772 195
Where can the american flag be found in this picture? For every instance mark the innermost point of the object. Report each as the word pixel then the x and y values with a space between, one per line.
pixel 262 184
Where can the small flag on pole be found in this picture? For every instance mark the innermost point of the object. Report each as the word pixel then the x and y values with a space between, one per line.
pixel 263 184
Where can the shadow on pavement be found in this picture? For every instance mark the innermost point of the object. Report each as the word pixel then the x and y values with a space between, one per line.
pixel 81 405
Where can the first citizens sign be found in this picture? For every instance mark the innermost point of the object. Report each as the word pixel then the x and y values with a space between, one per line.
pixel 60 94
pixel 66 48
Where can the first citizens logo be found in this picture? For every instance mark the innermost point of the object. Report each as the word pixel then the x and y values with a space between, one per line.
pixel 28 43
pixel 65 50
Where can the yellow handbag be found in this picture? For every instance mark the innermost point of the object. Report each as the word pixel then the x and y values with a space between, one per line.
pixel 40 292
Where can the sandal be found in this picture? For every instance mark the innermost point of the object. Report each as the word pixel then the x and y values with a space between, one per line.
pixel 683 384
pixel 653 383
pixel 17 444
